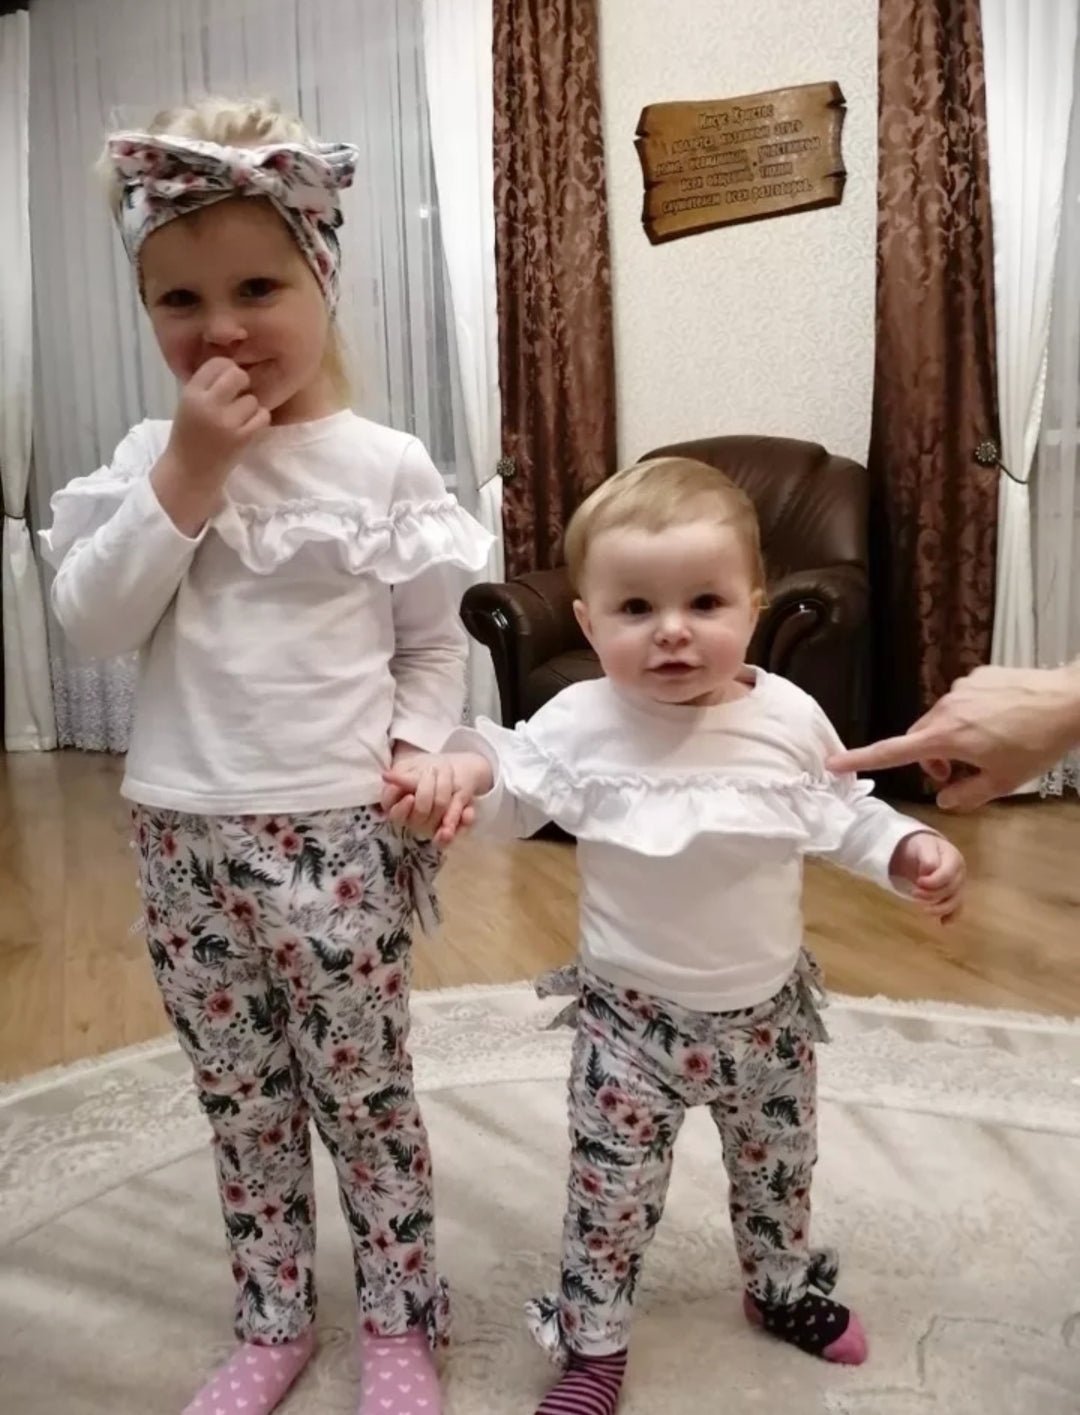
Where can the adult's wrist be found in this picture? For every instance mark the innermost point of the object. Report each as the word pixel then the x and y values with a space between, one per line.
pixel 1071 700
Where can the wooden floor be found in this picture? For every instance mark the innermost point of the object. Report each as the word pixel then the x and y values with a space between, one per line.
pixel 74 980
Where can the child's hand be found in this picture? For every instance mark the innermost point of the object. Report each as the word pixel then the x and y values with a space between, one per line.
pixel 433 795
pixel 216 418
pixel 935 869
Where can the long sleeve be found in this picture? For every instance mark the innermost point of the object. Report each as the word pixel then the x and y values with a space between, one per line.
pixel 498 812
pixel 428 665
pixel 118 557
pixel 871 840
pixel 870 843
pixel 431 648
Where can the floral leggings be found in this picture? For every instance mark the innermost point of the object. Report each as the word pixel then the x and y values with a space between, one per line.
pixel 638 1064
pixel 282 949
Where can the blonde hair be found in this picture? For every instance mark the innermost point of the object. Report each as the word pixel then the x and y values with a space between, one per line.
pixel 235 122
pixel 658 494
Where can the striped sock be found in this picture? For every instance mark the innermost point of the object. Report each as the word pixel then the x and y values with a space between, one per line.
pixel 590 1386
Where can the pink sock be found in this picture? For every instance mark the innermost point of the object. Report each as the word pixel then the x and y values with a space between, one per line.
pixel 398 1376
pixel 255 1380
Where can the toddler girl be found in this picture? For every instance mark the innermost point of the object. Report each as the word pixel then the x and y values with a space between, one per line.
pixel 287 572
pixel 694 785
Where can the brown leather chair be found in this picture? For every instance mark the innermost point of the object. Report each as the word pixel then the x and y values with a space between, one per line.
pixel 813 511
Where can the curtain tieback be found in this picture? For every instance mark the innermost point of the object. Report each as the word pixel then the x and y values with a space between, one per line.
pixel 988 454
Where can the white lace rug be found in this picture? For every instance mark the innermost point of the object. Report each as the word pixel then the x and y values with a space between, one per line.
pixel 950 1179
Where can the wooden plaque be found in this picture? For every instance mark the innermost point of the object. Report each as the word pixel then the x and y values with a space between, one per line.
pixel 740 159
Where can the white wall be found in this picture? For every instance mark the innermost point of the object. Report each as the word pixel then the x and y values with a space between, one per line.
pixel 762 328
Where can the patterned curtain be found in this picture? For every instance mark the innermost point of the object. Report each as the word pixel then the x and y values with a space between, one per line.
pixel 556 343
pixel 935 519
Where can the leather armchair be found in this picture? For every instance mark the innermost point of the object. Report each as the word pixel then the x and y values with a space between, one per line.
pixel 813 509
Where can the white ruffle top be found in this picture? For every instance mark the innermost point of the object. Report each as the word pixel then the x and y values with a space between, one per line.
pixel 311 623
pixel 691 824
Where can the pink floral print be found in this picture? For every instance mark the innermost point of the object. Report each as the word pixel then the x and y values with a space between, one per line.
pixel 166 176
pixel 638 1064
pixel 282 949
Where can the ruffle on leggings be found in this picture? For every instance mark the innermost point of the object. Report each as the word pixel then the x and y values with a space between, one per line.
pixel 546 1322
pixel 423 859
pixel 437 1317
pixel 807 979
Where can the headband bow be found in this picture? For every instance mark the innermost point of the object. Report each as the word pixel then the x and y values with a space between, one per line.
pixel 166 177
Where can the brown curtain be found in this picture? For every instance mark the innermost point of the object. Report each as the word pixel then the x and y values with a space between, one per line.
pixel 556 347
pixel 935 511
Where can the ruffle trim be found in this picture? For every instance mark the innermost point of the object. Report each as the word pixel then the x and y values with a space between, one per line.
pixel 542 1317
pixel 808 981
pixel 79 509
pixel 437 1316
pixel 423 861
pixel 547 1317
pixel 660 816
pixel 414 537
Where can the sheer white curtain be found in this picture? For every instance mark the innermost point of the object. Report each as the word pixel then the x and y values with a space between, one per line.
pixel 28 710
pixel 1057 472
pixel 457 51
pixel 1030 50
pixel 353 71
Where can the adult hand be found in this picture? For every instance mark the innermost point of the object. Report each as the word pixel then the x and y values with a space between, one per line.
pixel 1010 724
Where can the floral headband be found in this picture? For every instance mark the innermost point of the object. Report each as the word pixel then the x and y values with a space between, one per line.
pixel 166 177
